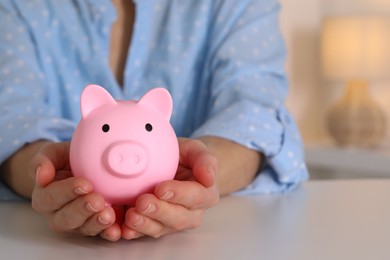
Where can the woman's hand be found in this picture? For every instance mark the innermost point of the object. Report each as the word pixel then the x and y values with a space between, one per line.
pixel 70 205
pixel 68 202
pixel 177 204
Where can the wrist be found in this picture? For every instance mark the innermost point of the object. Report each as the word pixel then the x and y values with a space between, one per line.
pixel 238 165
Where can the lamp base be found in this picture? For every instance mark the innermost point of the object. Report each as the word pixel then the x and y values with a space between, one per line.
pixel 356 120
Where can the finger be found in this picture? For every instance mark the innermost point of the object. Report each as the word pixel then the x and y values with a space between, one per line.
pixel 190 194
pixel 42 170
pixel 112 233
pixel 76 213
pixel 128 233
pixel 57 194
pixel 195 155
pixel 143 225
pixel 99 222
pixel 50 158
pixel 172 216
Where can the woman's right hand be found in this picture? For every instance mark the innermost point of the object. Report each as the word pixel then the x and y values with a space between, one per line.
pixel 68 202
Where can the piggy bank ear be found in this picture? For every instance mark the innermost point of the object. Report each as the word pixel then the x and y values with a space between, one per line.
pixel 160 100
pixel 93 97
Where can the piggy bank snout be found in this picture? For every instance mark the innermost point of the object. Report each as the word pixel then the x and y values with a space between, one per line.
pixel 126 159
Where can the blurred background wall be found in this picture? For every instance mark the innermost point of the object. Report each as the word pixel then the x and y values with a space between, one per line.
pixel 310 95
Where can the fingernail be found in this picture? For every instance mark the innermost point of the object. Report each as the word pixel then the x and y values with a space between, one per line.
pixel 130 234
pixel 211 171
pixel 91 208
pixel 150 208
pixel 104 220
pixel 167 195
pixel 80 191
pixel 138 222
pixel 37 171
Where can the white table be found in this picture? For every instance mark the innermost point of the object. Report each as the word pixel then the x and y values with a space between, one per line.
pixel 321 220
pixel 327 161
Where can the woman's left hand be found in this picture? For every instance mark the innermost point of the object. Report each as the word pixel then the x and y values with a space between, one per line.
pixel 177 204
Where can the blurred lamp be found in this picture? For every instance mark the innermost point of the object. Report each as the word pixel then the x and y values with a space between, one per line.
pixel 354 51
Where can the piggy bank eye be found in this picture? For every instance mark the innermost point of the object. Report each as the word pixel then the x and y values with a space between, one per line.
pixel 106 128
pixel 148 127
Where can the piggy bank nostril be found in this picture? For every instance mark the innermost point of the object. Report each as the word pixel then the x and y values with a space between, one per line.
pixel 126 159
pixel 136 159
pixel 132 160
pixel 119 159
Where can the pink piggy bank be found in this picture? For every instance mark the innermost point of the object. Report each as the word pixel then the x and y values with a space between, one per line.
pixel 124 148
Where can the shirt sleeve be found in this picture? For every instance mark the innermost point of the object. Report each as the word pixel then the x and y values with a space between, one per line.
pixel 25 115
pixel 248 86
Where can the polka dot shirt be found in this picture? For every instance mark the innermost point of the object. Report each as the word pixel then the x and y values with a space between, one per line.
pixel 222 61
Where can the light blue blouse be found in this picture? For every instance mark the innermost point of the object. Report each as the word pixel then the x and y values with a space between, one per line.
pixel 221 60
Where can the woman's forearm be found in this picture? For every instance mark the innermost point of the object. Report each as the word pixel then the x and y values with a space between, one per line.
pixel 238 165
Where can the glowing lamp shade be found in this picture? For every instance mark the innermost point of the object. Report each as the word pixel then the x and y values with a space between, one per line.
pixel 355 50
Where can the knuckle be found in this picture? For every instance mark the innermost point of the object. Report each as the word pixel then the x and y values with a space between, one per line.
pixel 42 202
pixel 182 224
pixel 197 221
pixel 179 225
pixel 159 232
pixel 195 224
pixel 36 205
pixel 198 201
pixel 53 226
pixel 49 200
pixel 187 224
pixel 64 221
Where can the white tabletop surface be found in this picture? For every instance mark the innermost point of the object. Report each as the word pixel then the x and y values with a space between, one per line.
pixel 320 220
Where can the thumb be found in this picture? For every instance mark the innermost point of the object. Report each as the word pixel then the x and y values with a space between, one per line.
pixel 51 158
pixel 43 172
pixel 194 154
